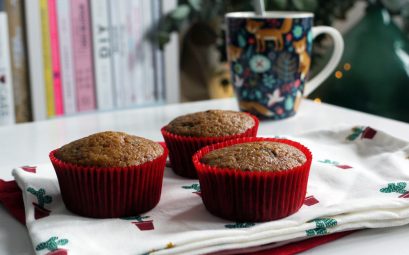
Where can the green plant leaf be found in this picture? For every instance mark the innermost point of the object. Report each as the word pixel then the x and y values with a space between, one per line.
pixel 277 4
pixel 394 6
pixel 305 5
pixel 163 38
pixel 196 4
pixel 181 12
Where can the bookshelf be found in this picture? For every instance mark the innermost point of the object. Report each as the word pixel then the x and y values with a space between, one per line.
pixel 82 56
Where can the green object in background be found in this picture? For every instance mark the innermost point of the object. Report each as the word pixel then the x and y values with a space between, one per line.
pixel 373 75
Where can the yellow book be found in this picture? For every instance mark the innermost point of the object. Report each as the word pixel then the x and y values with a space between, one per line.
pixel 48 71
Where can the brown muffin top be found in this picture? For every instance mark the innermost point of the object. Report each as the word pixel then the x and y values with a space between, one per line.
pixel 256 156
pixel 109 149
pixel 211 123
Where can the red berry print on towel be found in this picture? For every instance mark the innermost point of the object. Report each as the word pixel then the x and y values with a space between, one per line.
pixel 240 225
pixel 405 195
pixel 335 163
pixel 52 245
pixel 398 187
pixel 343 166
pixel 368 133
pixel 39 210
pixel 363 132
pixel 310 200
pixel 30 169
pixel 195 187
pixel 140 223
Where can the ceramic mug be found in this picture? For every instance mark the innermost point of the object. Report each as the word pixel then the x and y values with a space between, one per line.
pixel 270 59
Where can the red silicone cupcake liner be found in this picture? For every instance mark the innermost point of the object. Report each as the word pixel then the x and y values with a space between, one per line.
pixel 252 196
pixel 182 148
pixel 110 192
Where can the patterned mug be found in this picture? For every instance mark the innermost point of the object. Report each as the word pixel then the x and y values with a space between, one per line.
pixel 270 59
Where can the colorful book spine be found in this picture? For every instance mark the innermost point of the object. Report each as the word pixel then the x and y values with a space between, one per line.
pixel 83 64
pixel 35 58
pixel 136 52
pixel 102 54
pixel 47 62
pixel 117 68
pixel 6 90
pixel 55 57
pixel 66 56
pixel 125 44
pixel 18 54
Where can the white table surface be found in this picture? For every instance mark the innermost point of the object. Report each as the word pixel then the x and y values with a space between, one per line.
pixel 29 144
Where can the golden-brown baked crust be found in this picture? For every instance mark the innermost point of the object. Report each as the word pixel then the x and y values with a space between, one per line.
pixel 109 149
pixel 211 123
pixel 256 156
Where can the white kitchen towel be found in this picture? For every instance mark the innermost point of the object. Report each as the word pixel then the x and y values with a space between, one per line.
pixel 359 179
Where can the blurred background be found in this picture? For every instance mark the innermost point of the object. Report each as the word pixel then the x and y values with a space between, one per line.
pixel 63 58
pixel 373 75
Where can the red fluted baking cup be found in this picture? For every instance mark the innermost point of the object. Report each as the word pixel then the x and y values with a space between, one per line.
pixel 182 148
pixel 252 196
pixel 110 192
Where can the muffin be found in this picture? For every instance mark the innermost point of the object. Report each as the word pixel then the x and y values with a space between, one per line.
pixel 188 133
pixel 253 179
pixel 110 174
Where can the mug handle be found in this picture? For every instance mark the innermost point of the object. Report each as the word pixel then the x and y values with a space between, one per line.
pixel 332 63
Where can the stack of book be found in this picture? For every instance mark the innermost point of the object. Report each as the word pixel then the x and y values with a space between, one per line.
pixel 63 57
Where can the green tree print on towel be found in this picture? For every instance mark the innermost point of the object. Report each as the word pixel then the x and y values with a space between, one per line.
pixel 137 218
pixel 51 244
pixel 195 187
pixel 325 222
pixel 140 223
pixel 327 161
pixel 356 132
pixel 398 187
pixel 240 225
pixel 41 197
pixel 335 163
pixel 321 226
pixel 39 210
pixel 316 232
pixel 363 132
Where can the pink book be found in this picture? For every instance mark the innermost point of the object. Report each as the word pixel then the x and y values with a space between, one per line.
pixel 55 57
pixel 83 65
